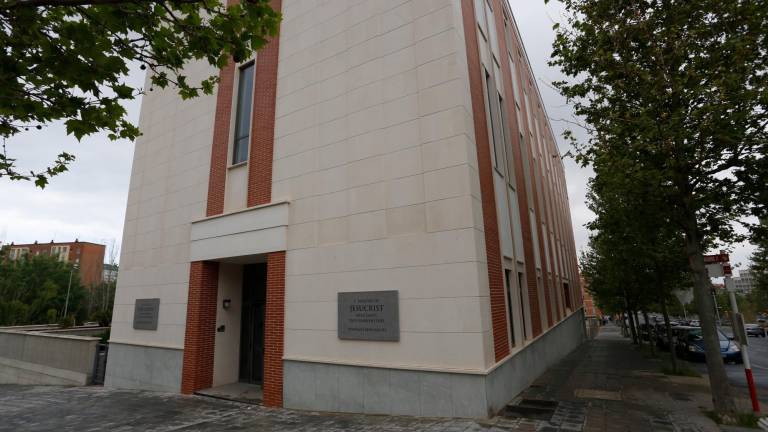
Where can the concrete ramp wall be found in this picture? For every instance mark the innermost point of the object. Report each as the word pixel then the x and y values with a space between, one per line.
pixel 44 358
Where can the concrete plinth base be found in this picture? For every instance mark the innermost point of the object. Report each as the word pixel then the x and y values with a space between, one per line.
pixel 144 368
pixel 343 388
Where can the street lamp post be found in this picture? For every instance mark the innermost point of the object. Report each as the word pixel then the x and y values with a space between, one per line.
pixel 69 287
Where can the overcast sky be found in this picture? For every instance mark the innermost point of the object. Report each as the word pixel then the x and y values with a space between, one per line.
pixel 88 202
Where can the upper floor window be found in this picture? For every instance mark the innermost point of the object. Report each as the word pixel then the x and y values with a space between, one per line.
pixel 243 114
pixel 515 82
pixel 60 252
pixel 17 253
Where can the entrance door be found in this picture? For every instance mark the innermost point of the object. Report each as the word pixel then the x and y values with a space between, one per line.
pixel 252 323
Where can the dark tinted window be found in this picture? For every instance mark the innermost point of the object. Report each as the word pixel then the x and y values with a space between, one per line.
pixel 243 115
pixel 696 334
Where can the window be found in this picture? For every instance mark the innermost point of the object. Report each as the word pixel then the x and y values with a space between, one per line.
pixel 243 115
pixel 509 305
pixel 528 109
pixel 480 16
pixel 522 302
pixel 517 227
pixel 502 163
pixel 515 83
pixel 567 292
pixel 17 253
pixel 60 252
pixel 507 143
pixel 492 34
pixel 496 145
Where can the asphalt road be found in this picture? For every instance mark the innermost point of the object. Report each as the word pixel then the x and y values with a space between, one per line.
pixel 758 354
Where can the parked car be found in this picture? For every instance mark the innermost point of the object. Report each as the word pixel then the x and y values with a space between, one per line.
pixel 647 331
pixel 662 341
pixel 690 345
pixel 754 330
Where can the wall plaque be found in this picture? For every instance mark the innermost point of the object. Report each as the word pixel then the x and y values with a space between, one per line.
pixel 369 315
pixel 145 314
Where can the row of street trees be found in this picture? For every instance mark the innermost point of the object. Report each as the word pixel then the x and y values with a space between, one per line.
pixel 675 98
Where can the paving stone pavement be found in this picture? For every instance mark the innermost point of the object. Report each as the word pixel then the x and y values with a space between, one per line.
pixel 605 385
pixel 83 409
pixel 608 385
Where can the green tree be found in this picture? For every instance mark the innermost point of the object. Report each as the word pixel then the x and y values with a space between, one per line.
pixel 635 258
pixel 760 263
pixel 32 287
pixel 679 89
pixel 66 60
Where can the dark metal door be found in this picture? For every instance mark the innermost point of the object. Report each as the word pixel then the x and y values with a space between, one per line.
pixel 252 324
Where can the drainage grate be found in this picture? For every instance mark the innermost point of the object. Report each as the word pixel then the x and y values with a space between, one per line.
pixel 534 409
pixel 597 394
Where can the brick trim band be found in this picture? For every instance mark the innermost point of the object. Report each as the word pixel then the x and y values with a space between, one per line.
pixel 274 330
pixel 263 122
pixel 488 198
pixel 200 336
pixel 220 147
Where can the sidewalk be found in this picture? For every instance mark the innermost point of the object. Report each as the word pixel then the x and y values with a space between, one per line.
pixel 611 386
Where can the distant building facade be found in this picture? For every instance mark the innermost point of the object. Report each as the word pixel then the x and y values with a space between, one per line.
pixel 370 216
pixel 590 309
pixel 88 256
pixel 110 273
pixel 745 281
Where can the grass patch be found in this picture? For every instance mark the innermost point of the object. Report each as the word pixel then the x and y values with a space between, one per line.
pixel 682 370
pixel 747 420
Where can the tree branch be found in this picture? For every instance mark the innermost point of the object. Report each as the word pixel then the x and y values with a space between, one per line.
pixel 11 4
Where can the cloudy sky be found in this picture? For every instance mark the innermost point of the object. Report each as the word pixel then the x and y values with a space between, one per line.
pixel 88 202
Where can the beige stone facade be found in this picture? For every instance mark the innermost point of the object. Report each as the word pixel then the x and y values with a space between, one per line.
pixel 376 185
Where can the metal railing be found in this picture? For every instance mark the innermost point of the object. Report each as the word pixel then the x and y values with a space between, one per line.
pixel 100 364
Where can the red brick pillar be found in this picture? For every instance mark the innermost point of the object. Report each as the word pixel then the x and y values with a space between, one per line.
pixel 218 174
pixel 487 194
pixel 263 121
pixel 200 337
pixel 274 332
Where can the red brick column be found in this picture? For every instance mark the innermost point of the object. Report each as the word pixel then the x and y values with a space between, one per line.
pixel 531 288
pixel 218 175
pixel 488 197
pixel 200 337
pixel 263 122
pixel 274 330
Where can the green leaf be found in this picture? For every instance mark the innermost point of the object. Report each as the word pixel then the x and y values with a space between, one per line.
pixel 59 62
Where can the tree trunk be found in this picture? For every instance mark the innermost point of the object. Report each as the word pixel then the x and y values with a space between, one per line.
pixel 632 328
pixel 622 324
pixel 672 347
pixel 722 396
pixel 651 344
pixel 638 328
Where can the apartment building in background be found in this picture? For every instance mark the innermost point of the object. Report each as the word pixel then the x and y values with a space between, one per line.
pixel 369 216
pixel 88 256
pixel 745 281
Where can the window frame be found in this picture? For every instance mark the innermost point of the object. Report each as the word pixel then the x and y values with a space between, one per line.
pixel 237 137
